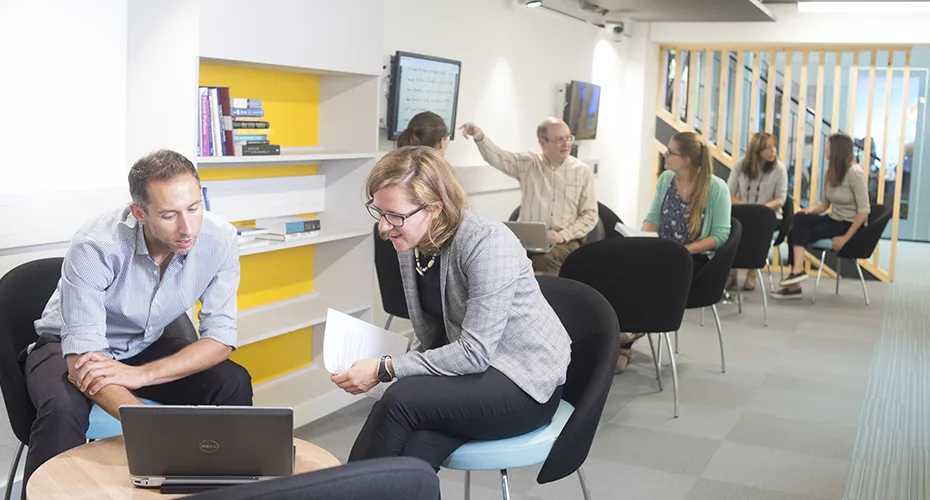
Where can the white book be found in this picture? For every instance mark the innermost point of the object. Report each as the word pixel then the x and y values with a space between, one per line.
pixel 630 232
pixel 349 339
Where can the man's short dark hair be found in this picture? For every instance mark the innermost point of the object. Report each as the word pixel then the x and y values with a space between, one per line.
pixel 159 165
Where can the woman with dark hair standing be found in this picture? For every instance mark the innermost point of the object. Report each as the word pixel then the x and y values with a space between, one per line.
pixel 758 178
pixel 425 129
pixel 846 192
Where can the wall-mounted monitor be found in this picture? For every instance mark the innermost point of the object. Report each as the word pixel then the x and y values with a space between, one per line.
pixel 581 109
pixel 422 83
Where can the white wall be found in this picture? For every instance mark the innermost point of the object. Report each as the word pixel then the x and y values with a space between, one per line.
pixel 508 85
pixel 162 77
pixel 792 27
pixel 64 94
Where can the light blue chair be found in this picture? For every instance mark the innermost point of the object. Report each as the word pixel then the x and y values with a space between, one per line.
pixel 561 446
pixel 103 426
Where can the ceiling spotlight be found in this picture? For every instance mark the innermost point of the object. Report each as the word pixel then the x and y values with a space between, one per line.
pixel 533 3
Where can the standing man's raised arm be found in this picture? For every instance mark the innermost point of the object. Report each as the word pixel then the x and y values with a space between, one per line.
pixel 512 164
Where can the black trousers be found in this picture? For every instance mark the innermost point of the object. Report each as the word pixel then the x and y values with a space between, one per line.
pixel 63 413
pixel 808 228
pixel 428 417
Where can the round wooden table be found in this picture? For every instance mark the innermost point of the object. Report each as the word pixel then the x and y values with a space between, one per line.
pixel 99 470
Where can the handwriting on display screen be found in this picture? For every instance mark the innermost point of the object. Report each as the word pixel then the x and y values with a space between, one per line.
pixel 422 83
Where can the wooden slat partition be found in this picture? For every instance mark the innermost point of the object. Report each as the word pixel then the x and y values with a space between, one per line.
pixel 738 98
pixel 899 169
pixel 754 93
pixel 722 99
pixel 867 145
pixel 785 121
pixel 730 109
pixel 708 88
pixel 799 136
pixel 818 120
pixel 676 109
pixel 837 90
pixel 853 93
pixel 889 79
pixel 691 108
pixel 770 94
pixel 662 93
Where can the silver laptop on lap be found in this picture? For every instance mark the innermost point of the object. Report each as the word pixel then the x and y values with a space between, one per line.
pixel 191 448
pixel 532 235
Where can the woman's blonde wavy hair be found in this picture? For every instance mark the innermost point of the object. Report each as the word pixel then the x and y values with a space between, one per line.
pixel 427 178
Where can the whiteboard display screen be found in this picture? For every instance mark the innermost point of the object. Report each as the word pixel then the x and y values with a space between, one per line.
pixel 422 83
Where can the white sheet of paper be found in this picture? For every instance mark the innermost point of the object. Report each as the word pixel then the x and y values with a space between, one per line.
pixel 633 233
pixel 349 339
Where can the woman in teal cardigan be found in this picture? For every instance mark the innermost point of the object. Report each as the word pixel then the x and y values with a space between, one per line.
pixel 691 206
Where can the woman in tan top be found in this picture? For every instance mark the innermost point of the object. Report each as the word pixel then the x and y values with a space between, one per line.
pixel 846 192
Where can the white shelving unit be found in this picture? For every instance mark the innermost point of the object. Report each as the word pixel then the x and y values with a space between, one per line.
pixel 348 62
pixel 287 157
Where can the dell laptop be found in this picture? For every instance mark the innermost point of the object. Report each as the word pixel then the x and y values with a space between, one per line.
pixel 532 235
pixel 183 449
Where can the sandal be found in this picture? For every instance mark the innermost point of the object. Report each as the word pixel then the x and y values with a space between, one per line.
pixel 624 360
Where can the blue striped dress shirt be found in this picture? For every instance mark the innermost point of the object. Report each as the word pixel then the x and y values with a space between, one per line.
pixel 112 298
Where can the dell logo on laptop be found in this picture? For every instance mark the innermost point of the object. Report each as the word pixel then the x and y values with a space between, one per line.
pixel 209 446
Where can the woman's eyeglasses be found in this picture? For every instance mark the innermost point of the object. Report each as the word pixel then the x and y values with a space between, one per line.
pixel 396 220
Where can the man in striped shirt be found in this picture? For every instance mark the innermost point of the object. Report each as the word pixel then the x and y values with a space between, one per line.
pixel 557 188
pixel 126 276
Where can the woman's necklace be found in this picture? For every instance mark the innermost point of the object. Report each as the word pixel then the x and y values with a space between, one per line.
pixel 421 270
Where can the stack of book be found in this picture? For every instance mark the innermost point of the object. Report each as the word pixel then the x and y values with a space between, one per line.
pixel 250 130
pixel 232 126
pixel 288 228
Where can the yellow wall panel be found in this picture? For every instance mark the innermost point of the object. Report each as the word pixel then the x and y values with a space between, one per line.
pixel 291 100
pixel 276 356
pixel 273 276
pixel 225 174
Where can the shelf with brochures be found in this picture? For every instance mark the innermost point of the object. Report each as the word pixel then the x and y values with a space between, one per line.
pixel 323 237
pixel 288 156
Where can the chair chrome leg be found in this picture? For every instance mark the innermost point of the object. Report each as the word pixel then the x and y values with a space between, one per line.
pixel 387 326
pixel 659 352
pixel 839 266
pixel 505 484
pixel 584 485
pixel 671 357
pixel 865 291
pixel 739 300
pixel 768 265
pixel 12 476
pixel 655 359
pixel 765 300
pixel 723 359
pixel 702 316
pixel 823 256
pixel 468 485
pixel 676 341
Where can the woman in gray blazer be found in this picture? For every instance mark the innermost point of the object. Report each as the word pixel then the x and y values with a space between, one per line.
pixel 489 355
pixel 758 178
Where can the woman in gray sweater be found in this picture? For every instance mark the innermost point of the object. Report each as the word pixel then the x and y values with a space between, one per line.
pixel 758 178
pixel 846 192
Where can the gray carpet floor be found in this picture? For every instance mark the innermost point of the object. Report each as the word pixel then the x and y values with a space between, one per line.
pixel 779 425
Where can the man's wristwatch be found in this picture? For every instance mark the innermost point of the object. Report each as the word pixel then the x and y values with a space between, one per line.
pixel 383 374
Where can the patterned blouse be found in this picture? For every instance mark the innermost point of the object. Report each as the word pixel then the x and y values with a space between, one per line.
pixel 673 220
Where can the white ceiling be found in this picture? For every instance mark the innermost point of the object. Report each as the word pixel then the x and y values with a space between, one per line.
pixel 662 10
